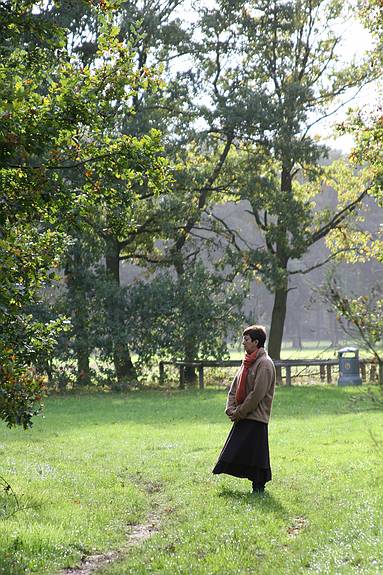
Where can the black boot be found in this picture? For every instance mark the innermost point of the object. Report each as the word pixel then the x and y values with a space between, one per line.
pixel 258 487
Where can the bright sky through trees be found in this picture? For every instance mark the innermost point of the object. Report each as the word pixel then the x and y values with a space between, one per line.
pixel 356 40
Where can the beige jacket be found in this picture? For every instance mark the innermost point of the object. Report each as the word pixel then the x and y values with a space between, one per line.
pixel 260 384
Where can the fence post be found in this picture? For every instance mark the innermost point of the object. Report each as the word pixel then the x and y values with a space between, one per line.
pixel 322 372
pixel 328 370
pixel 200 377
pixel 373 372
pixel 363 371
pixel 288 374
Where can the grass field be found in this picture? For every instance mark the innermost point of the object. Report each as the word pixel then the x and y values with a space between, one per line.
pixel 310 350
pixel 97 465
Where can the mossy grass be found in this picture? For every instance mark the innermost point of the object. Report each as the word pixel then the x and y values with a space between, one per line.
pixel 98 464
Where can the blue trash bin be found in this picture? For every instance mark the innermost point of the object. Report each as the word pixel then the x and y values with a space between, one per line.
pixel 349 373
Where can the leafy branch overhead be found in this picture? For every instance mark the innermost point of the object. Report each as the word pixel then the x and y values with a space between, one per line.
pixel 63 154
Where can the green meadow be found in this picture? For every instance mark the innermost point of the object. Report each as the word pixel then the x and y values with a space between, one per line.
pixel 310 350
pixel 96 466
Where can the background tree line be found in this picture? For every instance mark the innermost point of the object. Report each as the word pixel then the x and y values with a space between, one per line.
pixel 127 130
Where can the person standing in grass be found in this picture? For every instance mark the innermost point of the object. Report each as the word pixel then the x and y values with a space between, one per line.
pixel 246 451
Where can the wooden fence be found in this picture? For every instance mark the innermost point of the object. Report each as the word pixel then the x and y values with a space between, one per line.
pixel 283 368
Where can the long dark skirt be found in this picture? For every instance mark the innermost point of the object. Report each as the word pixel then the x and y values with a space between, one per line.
pixel 246 452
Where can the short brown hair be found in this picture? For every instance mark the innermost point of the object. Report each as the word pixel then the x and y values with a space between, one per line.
pixel 256 332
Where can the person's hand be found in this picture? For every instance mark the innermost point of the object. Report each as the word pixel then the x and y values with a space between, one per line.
pixel 234 416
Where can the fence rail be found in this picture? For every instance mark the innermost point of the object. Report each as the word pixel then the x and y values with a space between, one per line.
pixel 326 367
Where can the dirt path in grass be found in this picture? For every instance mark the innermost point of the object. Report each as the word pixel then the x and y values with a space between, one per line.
pixel 136 535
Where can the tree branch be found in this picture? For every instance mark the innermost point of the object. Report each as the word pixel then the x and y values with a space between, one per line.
pixel 203 194
pixel 66 167
pixel 337 219
pixel 231 234
pixel 329 114
pixel 320 264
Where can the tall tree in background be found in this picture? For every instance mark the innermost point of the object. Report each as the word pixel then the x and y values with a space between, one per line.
pixel 264 76
pixel 283 75
pixel 78 301
pixel 166 40
pixel 161 38
pixel 127 218
pixel 130 223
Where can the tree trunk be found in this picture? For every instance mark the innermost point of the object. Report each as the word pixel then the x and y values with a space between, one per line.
pixel 276 328
pixel 190 376
pixel 125 371
pixel 280 295
pixel 124 368
pixel 83 367
pixel 190 350
pixel 295 326
pixel 80 321
pixel 75 273
pixel 278 321
pixel 297 341
pixel 49 372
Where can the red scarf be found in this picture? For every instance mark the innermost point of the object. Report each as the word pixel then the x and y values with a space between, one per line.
pixel 248 361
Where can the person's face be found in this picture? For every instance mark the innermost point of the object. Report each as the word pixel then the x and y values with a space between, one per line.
pixel 248 344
